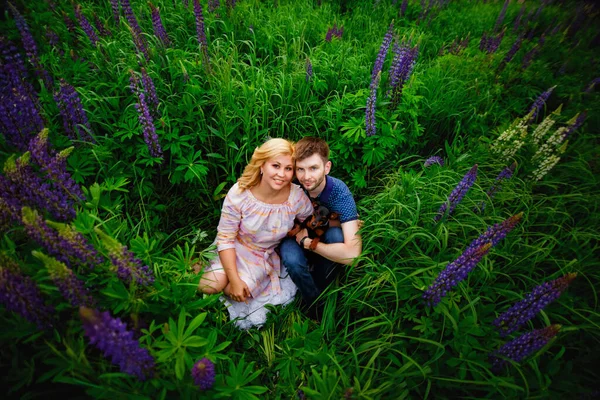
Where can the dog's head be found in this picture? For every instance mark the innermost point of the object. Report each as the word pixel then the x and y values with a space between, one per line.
pixel 321 216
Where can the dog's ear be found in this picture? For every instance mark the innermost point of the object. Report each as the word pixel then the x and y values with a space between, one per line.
pixel 315 204
pixel 334 216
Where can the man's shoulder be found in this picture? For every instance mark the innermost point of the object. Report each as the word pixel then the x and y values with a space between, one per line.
pixel 339 187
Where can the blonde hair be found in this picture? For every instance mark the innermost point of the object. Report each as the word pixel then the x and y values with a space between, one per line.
pixel 270 149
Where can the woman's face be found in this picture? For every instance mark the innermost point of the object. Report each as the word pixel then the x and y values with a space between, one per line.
pixel 277 172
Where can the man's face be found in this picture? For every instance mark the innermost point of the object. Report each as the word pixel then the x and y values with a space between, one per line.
pixel 311 172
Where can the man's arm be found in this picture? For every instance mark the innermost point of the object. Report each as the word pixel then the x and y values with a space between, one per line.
pixel 343 253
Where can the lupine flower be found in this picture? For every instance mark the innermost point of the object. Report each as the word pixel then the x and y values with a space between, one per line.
pixel 8 215
pixel 69 285
pixel 230 3
pixel 101 27
pixel 403 64
pixel 40 232
pixel 518 19
pixel 22 184
pixel 80 251
pixel 335 31
pixel 403 7
pixel 542 129
pixel 591 85
pixel 159 29
pixel 512 139
pixel 495 233
pixel 136 31
pixel 213 5
pixel 521 312
pixel 434 160
pixel 150 91
pixel 501 16
pixel 511 53
pixel 309 70
pixel 518 349
pixel 300 395
pixel 111 336
pixel 539 103
pixel 458 193
pixel 129 267
pixel 30 46
pixel 203 373
pixel 201 33
pixel 75 119
pixel 454 273
pixel 530 55
pixel 385 45
pixel 145 118
pixel 575 123
pixel 506 173
pixel 114 4
pixel 53 165
pixel 491 43
pixel 20 294
pixel 86 26
pixel 370 122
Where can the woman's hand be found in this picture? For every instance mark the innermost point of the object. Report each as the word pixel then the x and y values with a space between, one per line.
pixel 238 290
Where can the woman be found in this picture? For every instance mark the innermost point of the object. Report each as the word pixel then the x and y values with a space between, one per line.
pixel 257 213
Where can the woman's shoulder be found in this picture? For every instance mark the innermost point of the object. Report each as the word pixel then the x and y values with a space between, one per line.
pixel 296 193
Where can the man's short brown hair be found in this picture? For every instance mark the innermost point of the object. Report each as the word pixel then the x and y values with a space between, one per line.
pixel 309 145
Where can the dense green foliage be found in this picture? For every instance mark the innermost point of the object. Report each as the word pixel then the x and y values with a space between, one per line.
pixel 377 338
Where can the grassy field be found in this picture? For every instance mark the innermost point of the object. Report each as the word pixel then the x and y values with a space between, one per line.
pixel 480 268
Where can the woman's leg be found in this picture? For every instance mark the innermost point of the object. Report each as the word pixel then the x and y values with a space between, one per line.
pixel 213 282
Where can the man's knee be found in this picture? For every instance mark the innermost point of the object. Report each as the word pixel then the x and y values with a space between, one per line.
pixel 333 235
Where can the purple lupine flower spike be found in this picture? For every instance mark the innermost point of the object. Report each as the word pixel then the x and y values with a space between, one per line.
pixel 518 349
pixel 213 5
pixel 79 250
pixel 521 312
pixel 145 118
pixel 403 7
pixel 579 119
pixel 434 160
pixel 511 53
pixel 517 23
pixel 86 26
pixel 495 233
pixel 370 122
pixel 75 120
pixel 506 173
pixel 20 294
pixel 454 273
pixel 201 33
pixel 136 31
pixel 110 335
pixel 385 45
pixel 159 29
pixel 150 91
pixel 203 373
pixel 309 70
pixel 501 16
pixel 539 103
pixel 69 285
pixel 129 267
pixel 40 232
pixel 458 193
pixel 114 4
pixel 101 26
pixel 403 64
pixel 591 85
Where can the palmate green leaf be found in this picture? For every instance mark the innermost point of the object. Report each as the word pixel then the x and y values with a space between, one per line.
pixel 196 322
pixel 165 354
pixel 180 365
pixel 195 341
pixel 181 324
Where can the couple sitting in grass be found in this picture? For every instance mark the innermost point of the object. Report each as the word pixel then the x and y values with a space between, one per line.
pixel 259 211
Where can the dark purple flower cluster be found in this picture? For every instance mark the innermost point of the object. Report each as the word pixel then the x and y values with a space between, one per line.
pixel 591 85
pixel 150 91
pixel 203 373
pixel 53 38
pixel 47 237
pixel 20 294
pixel 511 53
pixel 102 29
pixel 370 122
pixel 111 336
pixel 454 273
pixel 518 349
pixel 159 29
pixel 335 31
pixel 201 33
pixel 456 46
pixel 69 285
pixel 136 31
pixel 539 103
pixel 495 233
pixel 534 302
pixel 130 267
pixel 19 112
pixel 21 186
pixel 309 70
pixel 30 46
pixel 86 26
pixel 54 166
pixel 403 7
pixel 578 122
pixel 506 173
pixel 80 251
pixel 213 5
pixel 145 118
pixel 491 42
pixel 114 4
pixel 434 160
pixel 402 66
pixel 75 120
pixel 230 3
pixel 458 193
pixel 517 23
pixel 501 16
pixel 383 50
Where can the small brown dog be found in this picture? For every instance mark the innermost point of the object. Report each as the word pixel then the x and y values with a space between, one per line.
pixel 316 224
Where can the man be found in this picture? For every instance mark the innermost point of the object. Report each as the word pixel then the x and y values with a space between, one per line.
pixel 340 245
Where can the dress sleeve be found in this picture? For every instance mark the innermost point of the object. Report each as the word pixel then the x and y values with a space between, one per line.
pixel 304 207
pixel 231 216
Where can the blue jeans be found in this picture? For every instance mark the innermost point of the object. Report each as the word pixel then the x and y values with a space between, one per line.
pixel 297 261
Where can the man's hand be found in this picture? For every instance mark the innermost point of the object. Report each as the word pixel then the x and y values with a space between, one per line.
pixel 302 234
pixel 238 290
